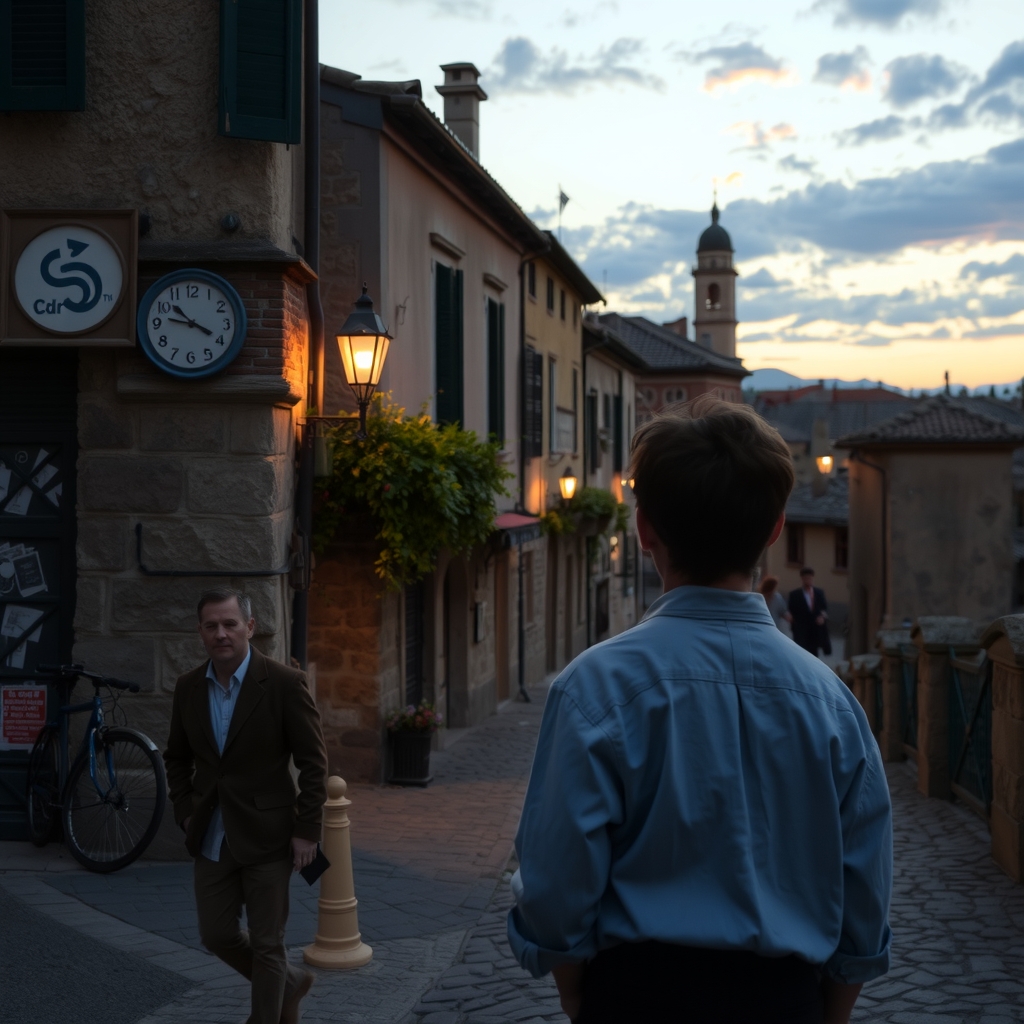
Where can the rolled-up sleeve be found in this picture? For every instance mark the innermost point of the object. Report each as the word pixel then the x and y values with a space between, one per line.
pixel 563 840
pixel 866 814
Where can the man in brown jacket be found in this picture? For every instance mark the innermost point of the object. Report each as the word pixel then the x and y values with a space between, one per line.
pixel 236 722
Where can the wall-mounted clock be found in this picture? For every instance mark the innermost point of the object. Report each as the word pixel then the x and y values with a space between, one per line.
pixel 191 323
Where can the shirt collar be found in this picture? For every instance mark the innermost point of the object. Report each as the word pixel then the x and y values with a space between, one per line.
pixel 237 676
pixel 711 603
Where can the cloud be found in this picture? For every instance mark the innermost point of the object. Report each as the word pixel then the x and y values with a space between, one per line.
pixel 845 70
pixel 879 130
pixel 736 65
pixel 758 137
pixel 762 279
pixel 521 67
pixel 792 163
pixel 920 76
pixel 885 13
pixel 1013 267
pixel 999 96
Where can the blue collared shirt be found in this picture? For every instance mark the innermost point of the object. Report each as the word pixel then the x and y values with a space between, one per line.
pixel 701 780
pixel 222 707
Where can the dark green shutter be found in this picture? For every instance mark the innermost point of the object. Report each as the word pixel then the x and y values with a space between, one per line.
pixel 448 344
pixel 617 427
pixel 42 54
pixel 261 70
pixel 496 370
pixel 591 436
pixel 533 404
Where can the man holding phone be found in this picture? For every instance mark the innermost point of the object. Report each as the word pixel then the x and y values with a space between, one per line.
pixel 236 723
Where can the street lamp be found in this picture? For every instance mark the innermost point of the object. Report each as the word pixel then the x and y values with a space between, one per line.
pixel 824 464
pixel 364 342
pixel 567 484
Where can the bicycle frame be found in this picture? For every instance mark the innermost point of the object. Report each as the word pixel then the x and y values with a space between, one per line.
pixel 62 721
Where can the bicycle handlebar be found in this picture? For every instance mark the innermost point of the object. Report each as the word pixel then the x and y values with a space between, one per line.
pixel 69 673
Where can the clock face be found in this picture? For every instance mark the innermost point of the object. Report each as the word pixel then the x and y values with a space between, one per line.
pixel 191 323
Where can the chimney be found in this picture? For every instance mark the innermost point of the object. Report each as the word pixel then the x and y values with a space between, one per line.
pixel 462 95
pixel 678 327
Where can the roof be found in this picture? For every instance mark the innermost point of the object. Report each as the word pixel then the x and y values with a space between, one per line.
pixel 662 350
pixel 597 336
pixel 715 238
pixel 829 509
pixel 400 105
pixel 569 269
pixel 795 420
pixel 939 420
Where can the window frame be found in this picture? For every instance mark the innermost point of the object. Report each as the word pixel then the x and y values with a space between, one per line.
pixel 70 95
pixel 795 544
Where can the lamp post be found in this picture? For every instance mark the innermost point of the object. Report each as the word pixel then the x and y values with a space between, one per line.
pixel 364 342
pixel 567 484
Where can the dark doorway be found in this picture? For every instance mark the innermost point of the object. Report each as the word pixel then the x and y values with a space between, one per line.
pixel 414 644
pixel 602 622
pixel 501 623
pixel 38 448
pixel 570 613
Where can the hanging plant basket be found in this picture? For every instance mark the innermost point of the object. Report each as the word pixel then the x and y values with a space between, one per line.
pixel 410 758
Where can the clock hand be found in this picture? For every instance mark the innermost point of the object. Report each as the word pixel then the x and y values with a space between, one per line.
pixel 189 320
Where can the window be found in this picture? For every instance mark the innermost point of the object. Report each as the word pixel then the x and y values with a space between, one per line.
pixel 261 70
pixel 496 370
pixel 794 544
pixel 531 279
pixel 617 435
pixel 551 296
pixel 533 407
pixel 606 411
pixel 714 299
pixel 448 344
pixel 42 54
pixel 561 303
pixel 842 547
pixel 705 340
pixel 575 313
pixel 552 404
pixel 575 411
pixel 591 437
pixel 673 395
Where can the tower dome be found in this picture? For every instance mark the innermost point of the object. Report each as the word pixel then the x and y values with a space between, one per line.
pixel 715 238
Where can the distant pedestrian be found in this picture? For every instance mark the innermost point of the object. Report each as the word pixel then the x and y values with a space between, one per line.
pixel 808 610
pixel 707 835
pixel 769 590
pixel 236 723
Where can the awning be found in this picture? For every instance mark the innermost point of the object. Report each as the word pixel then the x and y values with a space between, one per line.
pixel 516 528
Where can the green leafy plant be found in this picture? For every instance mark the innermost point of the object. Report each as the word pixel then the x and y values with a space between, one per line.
pixel 423 717
pixel 423 487
pixel 586 503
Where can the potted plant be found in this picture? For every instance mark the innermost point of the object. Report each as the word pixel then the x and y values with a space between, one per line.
pixel 410 734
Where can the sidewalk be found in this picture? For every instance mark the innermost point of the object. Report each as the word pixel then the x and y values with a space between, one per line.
pixel 429 868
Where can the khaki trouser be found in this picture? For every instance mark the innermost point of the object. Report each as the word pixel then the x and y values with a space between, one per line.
pixel 222 887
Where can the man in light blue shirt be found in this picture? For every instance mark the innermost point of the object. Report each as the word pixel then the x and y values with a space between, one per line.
pixel 707 833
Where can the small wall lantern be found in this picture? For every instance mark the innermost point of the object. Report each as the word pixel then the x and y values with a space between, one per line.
pixel 567 484
pixel 364 343
pixel 824 464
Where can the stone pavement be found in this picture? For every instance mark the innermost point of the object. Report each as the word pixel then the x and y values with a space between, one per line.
pixel 432 869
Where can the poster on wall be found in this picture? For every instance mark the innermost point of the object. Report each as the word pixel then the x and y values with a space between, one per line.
pixel 22 715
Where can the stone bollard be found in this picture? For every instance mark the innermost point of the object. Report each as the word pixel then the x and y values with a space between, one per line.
pixel 338 945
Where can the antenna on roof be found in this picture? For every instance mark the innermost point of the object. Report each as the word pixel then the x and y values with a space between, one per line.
pixel 563 200
pixel 947 382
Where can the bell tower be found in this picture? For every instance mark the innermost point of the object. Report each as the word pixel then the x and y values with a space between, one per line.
pixel 714 286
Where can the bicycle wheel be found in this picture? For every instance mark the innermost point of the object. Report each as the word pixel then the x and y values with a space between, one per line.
pixel 110 821
pixel 43 788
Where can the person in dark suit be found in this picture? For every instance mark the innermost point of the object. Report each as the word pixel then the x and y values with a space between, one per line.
pixel 808 615
pixel 236 722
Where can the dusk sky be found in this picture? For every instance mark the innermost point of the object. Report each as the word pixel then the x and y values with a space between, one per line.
pixel 868 155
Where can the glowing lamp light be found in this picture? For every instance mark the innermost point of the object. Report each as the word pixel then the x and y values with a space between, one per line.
pixel 363 341
pixel 567 484
pixel 824 463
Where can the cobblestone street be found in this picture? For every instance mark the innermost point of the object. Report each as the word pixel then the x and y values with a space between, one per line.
pixel 432 869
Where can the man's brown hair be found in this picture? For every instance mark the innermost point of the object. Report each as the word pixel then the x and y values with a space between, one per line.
pixel 712 480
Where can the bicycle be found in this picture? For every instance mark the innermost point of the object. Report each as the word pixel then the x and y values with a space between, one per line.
pixel 109 803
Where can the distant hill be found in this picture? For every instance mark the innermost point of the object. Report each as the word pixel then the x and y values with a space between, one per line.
pixel 771 379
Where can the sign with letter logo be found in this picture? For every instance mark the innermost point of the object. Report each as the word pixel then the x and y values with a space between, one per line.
pixel 68 277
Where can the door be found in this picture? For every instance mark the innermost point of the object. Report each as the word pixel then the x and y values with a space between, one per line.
pixel 501 622
pixel 414 644
pixel 38 445
pixel 551 611
pixel 570 618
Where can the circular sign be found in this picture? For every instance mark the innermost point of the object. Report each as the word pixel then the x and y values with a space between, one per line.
pixel 69 279
pixel 191 323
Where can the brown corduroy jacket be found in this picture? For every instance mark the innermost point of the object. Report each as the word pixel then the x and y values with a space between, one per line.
pixel 275 719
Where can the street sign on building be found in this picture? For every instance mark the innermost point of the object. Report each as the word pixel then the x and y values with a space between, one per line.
pixel 68 277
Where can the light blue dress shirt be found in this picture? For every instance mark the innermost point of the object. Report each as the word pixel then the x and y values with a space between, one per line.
pixel 701 780
pixel 222 707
